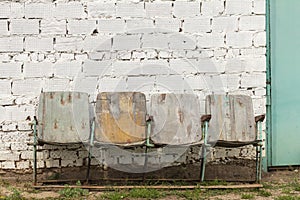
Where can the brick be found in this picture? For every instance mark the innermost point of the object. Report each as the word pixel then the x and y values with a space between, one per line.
pixel 24 126
pixel 236 7
pixel 4 10
pixel 255 64
pixel 170 83
pixel 253 80
pixel 11 44
pixel 212 8
pixel 197 25
pixel 253 51
pixel 155 40
pixel 225 24
pixel 252 23
pixel 211 40
pixel 49 27
pixel 259 39
pixel 8 165
pixel 200 54
pixel 9 126
pixel 186 8
pixel 38 44
pixel 41 69
pixel 5 87
pixel 27 87
pixel 154 67
pixel 111 26
pixel 209 66
pixel 71 10
pixel 99 9
pixel 158 9
pixel 126 42
pixel 130 9
pixel 138 55
pixel 87 85
pixel 23 164
pixel 67 69
pixel 24 26
pixel 182 66
pixel 17 10
pixel 109 84
pixel 231 82
pixel 10 70
pixel 68 44
pixel 9 156
pixel 182 42
pixel 259 7
pixel 81 26
pixel 140 84
pixel 139 26
pixel 239 39
pixel 4 27
pixel 96 68
pixel 192 83
pixel 52 163
pixel 39 10
pixel 123 68
pixel 235 65
pixel 167 25
pixel 21 112
pixel 56 84
pixel 97 43
pixel 17 146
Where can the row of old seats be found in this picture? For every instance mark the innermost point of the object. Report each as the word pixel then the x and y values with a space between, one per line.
pixel 123 119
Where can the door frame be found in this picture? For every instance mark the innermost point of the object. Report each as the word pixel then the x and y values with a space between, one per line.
pixel 267 162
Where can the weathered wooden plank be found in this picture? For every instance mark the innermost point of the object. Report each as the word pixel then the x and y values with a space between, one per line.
pixel 121 118
pixel 63 117
pixel 165 187
pixel 176 119
pixel 232 119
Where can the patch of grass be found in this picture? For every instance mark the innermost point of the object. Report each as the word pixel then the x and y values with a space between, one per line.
pixel 247 196
pixel 287 197
pixel 192 194
pixel 267 185
pixel 114 195
pixel 264 193
pixel 286 190
pixel 214 182
pixel 16 195
pixel 68 192
pixel 146 193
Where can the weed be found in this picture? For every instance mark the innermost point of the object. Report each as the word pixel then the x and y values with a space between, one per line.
pixel 16 195
pixel 146 193
pixel 287 197
pixel 247 196
pixel 68 192
pixel 264 193
pixel 113 195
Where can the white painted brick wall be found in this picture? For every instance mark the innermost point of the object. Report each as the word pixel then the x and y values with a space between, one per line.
pixel 70 10
pixel 239 39
pixel 111 25
pixel 81 26
pixel 186 9
pixel 39 10
pixel 11 44
pixel 252 23
pixel 158 9
pixel 225 24
pixel 10 70
pixel 4 27
pixel 49 27
pixel 38 44
pixel 24 26
pixel 199 24
pixel 97 46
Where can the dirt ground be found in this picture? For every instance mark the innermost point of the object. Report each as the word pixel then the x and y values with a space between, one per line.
pixel 279 185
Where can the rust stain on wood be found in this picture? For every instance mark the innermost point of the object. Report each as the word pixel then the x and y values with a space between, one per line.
pixel 120 118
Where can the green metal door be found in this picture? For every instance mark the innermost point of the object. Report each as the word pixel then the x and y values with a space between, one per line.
pixel 285 82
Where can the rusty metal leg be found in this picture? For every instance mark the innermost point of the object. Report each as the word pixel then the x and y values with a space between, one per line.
pixel 258 152
pixel 148 145
pixel 91 144
pixel 34 152
pixel 203 155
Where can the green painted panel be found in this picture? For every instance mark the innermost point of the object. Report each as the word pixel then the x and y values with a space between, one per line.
pixel 285 82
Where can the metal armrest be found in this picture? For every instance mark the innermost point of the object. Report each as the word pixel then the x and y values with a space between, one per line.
pixel 205 118
pixel 260 118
